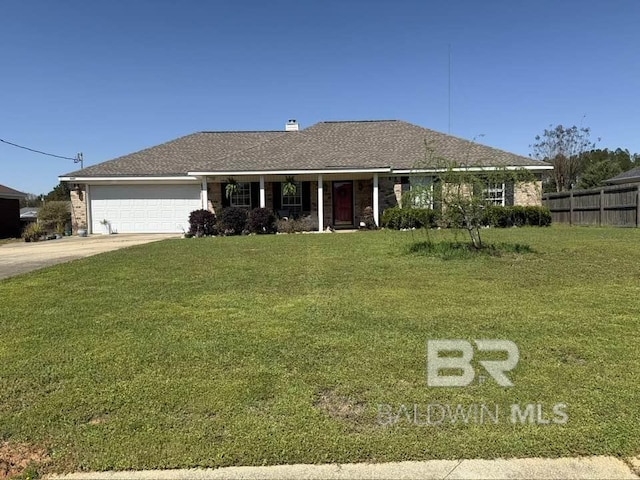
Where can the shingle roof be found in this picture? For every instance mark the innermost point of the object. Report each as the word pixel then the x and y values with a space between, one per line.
pixel 362 144
pixel 350 144
pixel 630 176
pixel 177 156
pixel 6 192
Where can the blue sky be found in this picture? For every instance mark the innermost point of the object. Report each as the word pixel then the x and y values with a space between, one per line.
pixel 112 77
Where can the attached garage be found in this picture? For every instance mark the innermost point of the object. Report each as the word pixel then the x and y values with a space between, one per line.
pixel 143 208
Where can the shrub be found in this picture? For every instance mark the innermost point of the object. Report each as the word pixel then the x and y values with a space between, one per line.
pixel 497 216
pixel 54 215
pixel 303 224
pixel 32 232
pixel 516 216
pixel 400 218
pixel 261 220
pixel 537 216
pixel 234 220
pixel 202 222
pixel 367 219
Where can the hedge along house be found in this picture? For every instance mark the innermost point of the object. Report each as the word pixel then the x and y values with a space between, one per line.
pixel 339 168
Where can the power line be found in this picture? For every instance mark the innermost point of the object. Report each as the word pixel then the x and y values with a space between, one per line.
pixel 76 159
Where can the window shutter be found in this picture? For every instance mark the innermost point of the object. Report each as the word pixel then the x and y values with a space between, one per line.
pixel 405 184
pixel 255 194
pixel 508 194
pixel 225 200
pixel 306 196
pixel 277 196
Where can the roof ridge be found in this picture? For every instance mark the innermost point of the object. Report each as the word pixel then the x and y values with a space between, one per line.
pixel 361 121
pixel 239 131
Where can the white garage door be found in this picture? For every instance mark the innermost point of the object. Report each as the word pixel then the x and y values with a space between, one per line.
pixel 143 208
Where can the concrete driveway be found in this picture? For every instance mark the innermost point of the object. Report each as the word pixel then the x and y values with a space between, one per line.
pixel 22 257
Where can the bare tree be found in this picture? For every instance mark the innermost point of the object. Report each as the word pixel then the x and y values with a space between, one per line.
pixel 564 149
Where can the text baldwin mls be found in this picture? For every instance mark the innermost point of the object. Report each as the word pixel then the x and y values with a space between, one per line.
pixel 434 414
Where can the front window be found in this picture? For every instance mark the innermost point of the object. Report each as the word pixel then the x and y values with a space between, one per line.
pixel 421 191
pixel 494 193
pixel 242 197
pixel 293 201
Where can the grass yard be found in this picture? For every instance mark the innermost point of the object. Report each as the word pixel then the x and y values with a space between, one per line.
pixel 280 349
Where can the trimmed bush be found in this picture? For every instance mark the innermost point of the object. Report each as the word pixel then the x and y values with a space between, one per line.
pixel 234 220
pixel 398 218
pixel 202 222
pixel 54 215
pixel 303 224
pixel 516 216
pixel 261 220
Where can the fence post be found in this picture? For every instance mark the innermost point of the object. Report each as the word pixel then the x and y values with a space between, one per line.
pixel 601 217
pixel 638 207
pixel 570 208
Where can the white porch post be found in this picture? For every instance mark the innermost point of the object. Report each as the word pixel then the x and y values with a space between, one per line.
pixel 87 201
pixel 203 194
pixel 376 205
pixel 320 205
pixel 262 195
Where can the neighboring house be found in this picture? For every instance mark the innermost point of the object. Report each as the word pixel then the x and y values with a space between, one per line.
pixel 10 226
pixel 340 168
pixel 629 177
pixel 28 215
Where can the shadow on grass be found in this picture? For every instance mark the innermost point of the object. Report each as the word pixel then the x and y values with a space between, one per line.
pixel 447 250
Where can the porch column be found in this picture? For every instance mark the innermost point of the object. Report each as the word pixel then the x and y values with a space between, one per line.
pixel 262 196
pixel 203 194
pixel 376 205
pixel 320 205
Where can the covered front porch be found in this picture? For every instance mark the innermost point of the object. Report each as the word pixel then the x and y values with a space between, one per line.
pixel 335 199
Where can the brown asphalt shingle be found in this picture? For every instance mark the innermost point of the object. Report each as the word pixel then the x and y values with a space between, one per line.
pixel 176 157
pixel 10 192
pixel 628 176
pixel 355 144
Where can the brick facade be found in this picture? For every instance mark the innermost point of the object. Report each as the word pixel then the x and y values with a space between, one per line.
pixel 79 209
pixel 528 193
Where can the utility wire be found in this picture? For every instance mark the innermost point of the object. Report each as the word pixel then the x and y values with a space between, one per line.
pixel 38 151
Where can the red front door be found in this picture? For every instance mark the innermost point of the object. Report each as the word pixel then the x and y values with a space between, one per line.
pixel 343 203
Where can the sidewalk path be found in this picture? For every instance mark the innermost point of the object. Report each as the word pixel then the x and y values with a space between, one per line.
pixel 525 468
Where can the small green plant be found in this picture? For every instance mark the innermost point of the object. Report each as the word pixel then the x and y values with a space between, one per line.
pixel 289 186
pixel 231 188
pixel 33 232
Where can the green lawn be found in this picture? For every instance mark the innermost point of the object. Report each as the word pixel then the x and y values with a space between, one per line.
pixel 279 349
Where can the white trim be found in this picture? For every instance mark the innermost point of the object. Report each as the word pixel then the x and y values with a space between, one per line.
pixel 204 197
pixel 87 206
pixel 471 169
pixel 263 201
pixel 376 205
pixel 12 196
pixel 320 204
pixel 129 179
pixel 295 172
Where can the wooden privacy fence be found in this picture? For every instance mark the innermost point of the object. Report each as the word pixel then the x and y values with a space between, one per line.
pixel 617 205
